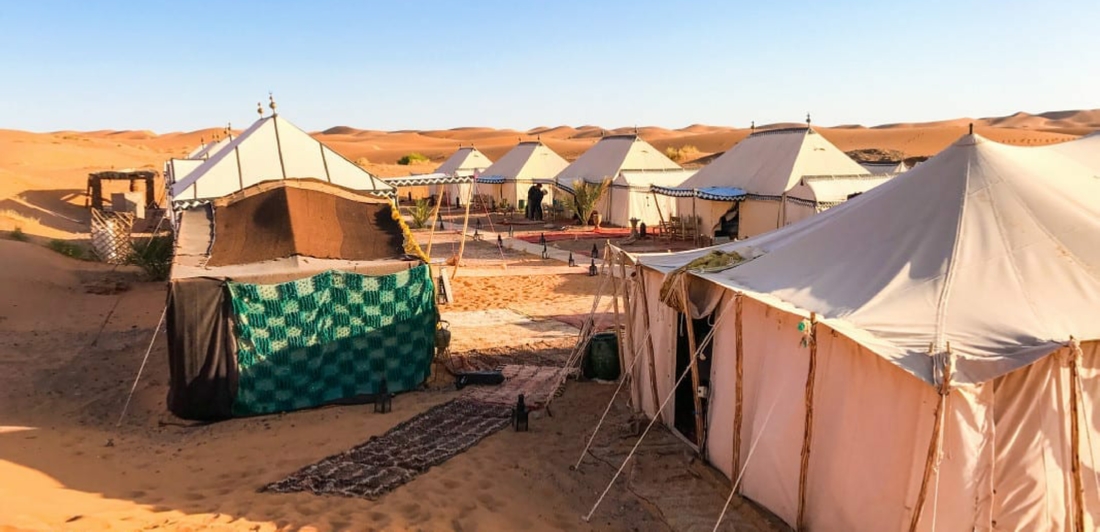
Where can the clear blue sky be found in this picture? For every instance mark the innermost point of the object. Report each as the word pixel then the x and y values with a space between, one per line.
pixel 172 65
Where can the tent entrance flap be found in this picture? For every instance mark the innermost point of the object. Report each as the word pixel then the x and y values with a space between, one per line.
pixel 684 407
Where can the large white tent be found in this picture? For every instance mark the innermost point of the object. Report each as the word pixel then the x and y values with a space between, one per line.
pixel 753 184
pixel 271 148
pixel 528 163
pixel 466 162
pixel 924 357
pixel 633 166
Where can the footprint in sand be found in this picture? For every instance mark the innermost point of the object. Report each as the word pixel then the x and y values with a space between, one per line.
pixel 379 518
pixel 194 496
pixel 451 483
pixel 489 502
pixel 484 484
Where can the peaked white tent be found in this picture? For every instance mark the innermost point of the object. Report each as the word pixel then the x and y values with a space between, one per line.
pixel 528 163
pixel 926 357
pixel 466 162
pixel 885 167
pixel 272 148
pixel 751 187
pixel 633 166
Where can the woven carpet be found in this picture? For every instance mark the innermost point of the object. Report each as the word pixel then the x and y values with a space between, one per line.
pixel 538 384
pixel 386 462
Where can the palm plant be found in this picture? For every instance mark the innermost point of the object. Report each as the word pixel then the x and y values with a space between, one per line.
pixel 421 212
pixel 586 195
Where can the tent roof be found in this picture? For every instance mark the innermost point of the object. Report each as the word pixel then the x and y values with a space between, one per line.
pixel 987 248
pixel 885 168
pixel 466 161
pixel 769 163
pixel 828 189
pixel 1085 150
pixel 646 178
pixel 272 148
pixel 281 219
pixel 614 154
pixel 527 161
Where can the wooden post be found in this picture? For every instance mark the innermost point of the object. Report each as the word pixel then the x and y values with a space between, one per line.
pixel 616 287
pixel 739 385
pixel 652 363
pixel 432 222
pixel 1075 440
pixel 465 226
pixel 935 444
pixel 660 216
pixel 628 309
pixel 694 365
pixel 808 426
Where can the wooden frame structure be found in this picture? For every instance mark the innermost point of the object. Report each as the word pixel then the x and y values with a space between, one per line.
pixel 95 185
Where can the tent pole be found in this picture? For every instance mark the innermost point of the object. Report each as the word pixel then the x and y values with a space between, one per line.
pixel 935 444
pixel 660 216
pixel 739 385
pixel 433 220
pixel 694 224
pixel 1075 437
pixel 649 344
pixel 808 426
pixel 628 311
pixel 616 288
pixel 694 368
pixel 465 226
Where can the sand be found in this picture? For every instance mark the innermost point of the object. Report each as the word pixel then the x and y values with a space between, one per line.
pixel 73 333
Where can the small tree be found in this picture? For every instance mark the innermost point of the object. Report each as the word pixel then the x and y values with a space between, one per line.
pixel 413 158
pixel 421 212
pixel 586 195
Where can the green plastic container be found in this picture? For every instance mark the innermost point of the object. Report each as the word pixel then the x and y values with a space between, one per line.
pixel 602 360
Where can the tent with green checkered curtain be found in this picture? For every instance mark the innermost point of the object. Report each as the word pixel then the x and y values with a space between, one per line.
pixel 293 294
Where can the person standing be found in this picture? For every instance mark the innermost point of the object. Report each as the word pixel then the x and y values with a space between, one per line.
pixel 539 194
pixel 529 211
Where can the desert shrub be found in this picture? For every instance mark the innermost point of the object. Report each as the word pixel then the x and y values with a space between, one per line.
pixel 683 153
pixel 421 212
pixel 154 257
pixel 66 248
pixel 18 234
pixel 362 162
pixel 413 158
pixel 585 196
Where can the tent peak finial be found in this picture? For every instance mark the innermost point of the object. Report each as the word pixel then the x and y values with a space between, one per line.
pixel 260 109
pixel 753 126
pixel 271 98
pixel 807 119
pixel 972 128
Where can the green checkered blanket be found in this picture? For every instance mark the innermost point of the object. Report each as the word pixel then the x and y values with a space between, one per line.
pixel 331 336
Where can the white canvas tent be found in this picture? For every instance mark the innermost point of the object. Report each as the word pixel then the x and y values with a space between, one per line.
pixel 272 148
pixel 926 357
pixel 466 162
pixel 633 165
pixel 759 175
pixel 528 163
pixel 887 167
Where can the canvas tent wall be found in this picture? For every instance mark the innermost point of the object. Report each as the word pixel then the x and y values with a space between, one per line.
pixel 528 163
pixel 757 177
pixel 632 165
pixel 466 162
pixel 291 294
pixel 927 357
pixel 272 148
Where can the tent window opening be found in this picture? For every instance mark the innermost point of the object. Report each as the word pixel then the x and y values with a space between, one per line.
pixel 684 412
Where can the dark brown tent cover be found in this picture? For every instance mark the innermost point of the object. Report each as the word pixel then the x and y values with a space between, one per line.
pixel 277 219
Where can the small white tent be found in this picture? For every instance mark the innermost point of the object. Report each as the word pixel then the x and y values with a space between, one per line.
pixel 888 167
pixel 926 357
pixel 528 163
pixel 465 162
pixel 753 183
pixel 632 165
pixel 272 148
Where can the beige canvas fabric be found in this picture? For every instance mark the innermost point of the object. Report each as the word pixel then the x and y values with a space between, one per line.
pixel 887 168
pixel 272 148
pixel 465 162
pixel 1085 150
